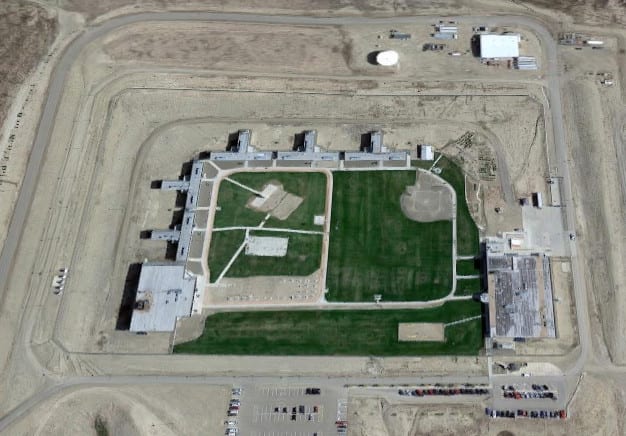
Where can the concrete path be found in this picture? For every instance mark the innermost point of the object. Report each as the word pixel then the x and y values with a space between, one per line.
pixel 269 229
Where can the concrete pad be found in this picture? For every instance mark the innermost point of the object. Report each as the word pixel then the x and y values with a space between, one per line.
pixel 266 246
pixel 544 228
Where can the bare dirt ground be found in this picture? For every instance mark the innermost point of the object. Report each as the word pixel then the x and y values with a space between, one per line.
pixel 26 32
pixel 132 410
pixel 92 8
pixel 225 46
pixel 428 200
pixel 259 290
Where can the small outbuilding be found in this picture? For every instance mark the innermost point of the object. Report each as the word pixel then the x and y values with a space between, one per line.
pixel 499 46
pixel 426 152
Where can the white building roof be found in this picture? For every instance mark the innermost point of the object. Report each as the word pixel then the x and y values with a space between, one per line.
pixel 426 152
pixel 167 291
pixel 499 46
pixel 387 58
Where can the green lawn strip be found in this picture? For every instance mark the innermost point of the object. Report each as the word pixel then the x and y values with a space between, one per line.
pixel 335 332
pixel 467 232
pixel 223 247
pixel 376 249
pixel 466 268
pixel 232 200
pixel 423 164
pixel 303 258
pixel 467 286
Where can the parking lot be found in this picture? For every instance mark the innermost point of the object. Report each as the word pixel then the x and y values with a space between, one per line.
pixel 291 410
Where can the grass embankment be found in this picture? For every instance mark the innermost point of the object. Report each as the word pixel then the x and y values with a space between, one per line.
pixel 336 332
pixel 467 287
pixel 466 230
pixel 467 267
pixel 376 249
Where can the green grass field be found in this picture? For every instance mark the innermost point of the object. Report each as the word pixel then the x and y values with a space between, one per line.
pixel 232 200
pixel 376 249
pixel 336 332
pixel 467 287
pixel 303 255
pixel 466 268
pixel 466 230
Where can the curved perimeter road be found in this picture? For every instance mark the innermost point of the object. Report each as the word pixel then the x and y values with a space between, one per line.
pixel 57 84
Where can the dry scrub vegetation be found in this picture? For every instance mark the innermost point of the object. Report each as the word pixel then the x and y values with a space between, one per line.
pixel 26 32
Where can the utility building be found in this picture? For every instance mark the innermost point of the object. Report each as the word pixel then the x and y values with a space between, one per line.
pixel 499 46
pixel 164 294
pixel 426 152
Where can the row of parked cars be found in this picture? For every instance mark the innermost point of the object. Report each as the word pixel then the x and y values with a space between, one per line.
pixel 550 414
pixel 539 391
pixel 518 395
pixel 342 426
pixel 233 410
pixel 427 391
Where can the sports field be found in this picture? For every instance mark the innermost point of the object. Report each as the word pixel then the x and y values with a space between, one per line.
pixel 304 250
pixel 376 249
pixel 336 332
pixel 232 199
pixel 303 255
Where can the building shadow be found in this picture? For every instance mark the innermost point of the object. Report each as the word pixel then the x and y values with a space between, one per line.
pixel 231 142
pixel 366 141
pixel 298 141
pixel 128 297
pixel 371 57
pixel 171 250
pixel 475 45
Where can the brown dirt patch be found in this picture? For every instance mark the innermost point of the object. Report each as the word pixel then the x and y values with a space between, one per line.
pixel 26 32
pixel 430 199
pixel 227 46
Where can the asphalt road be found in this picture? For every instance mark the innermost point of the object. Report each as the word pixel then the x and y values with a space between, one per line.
pixel 55 92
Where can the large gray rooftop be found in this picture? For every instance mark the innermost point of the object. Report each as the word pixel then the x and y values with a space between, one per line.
pixel 165 292
pixel 521 293
pixel 229 156
pixel 174 185
pixel 191 203
pixel 364 156
pixel 306 156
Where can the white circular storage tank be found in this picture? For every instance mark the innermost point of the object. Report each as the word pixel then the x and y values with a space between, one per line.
pixel 387 58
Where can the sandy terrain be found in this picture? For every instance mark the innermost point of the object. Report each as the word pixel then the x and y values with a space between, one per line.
pixel 132 410
pixel 421 331
pixel 276 201
pixel 225 46
pixel 428 200
pixel 93 8
pixel 27 33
